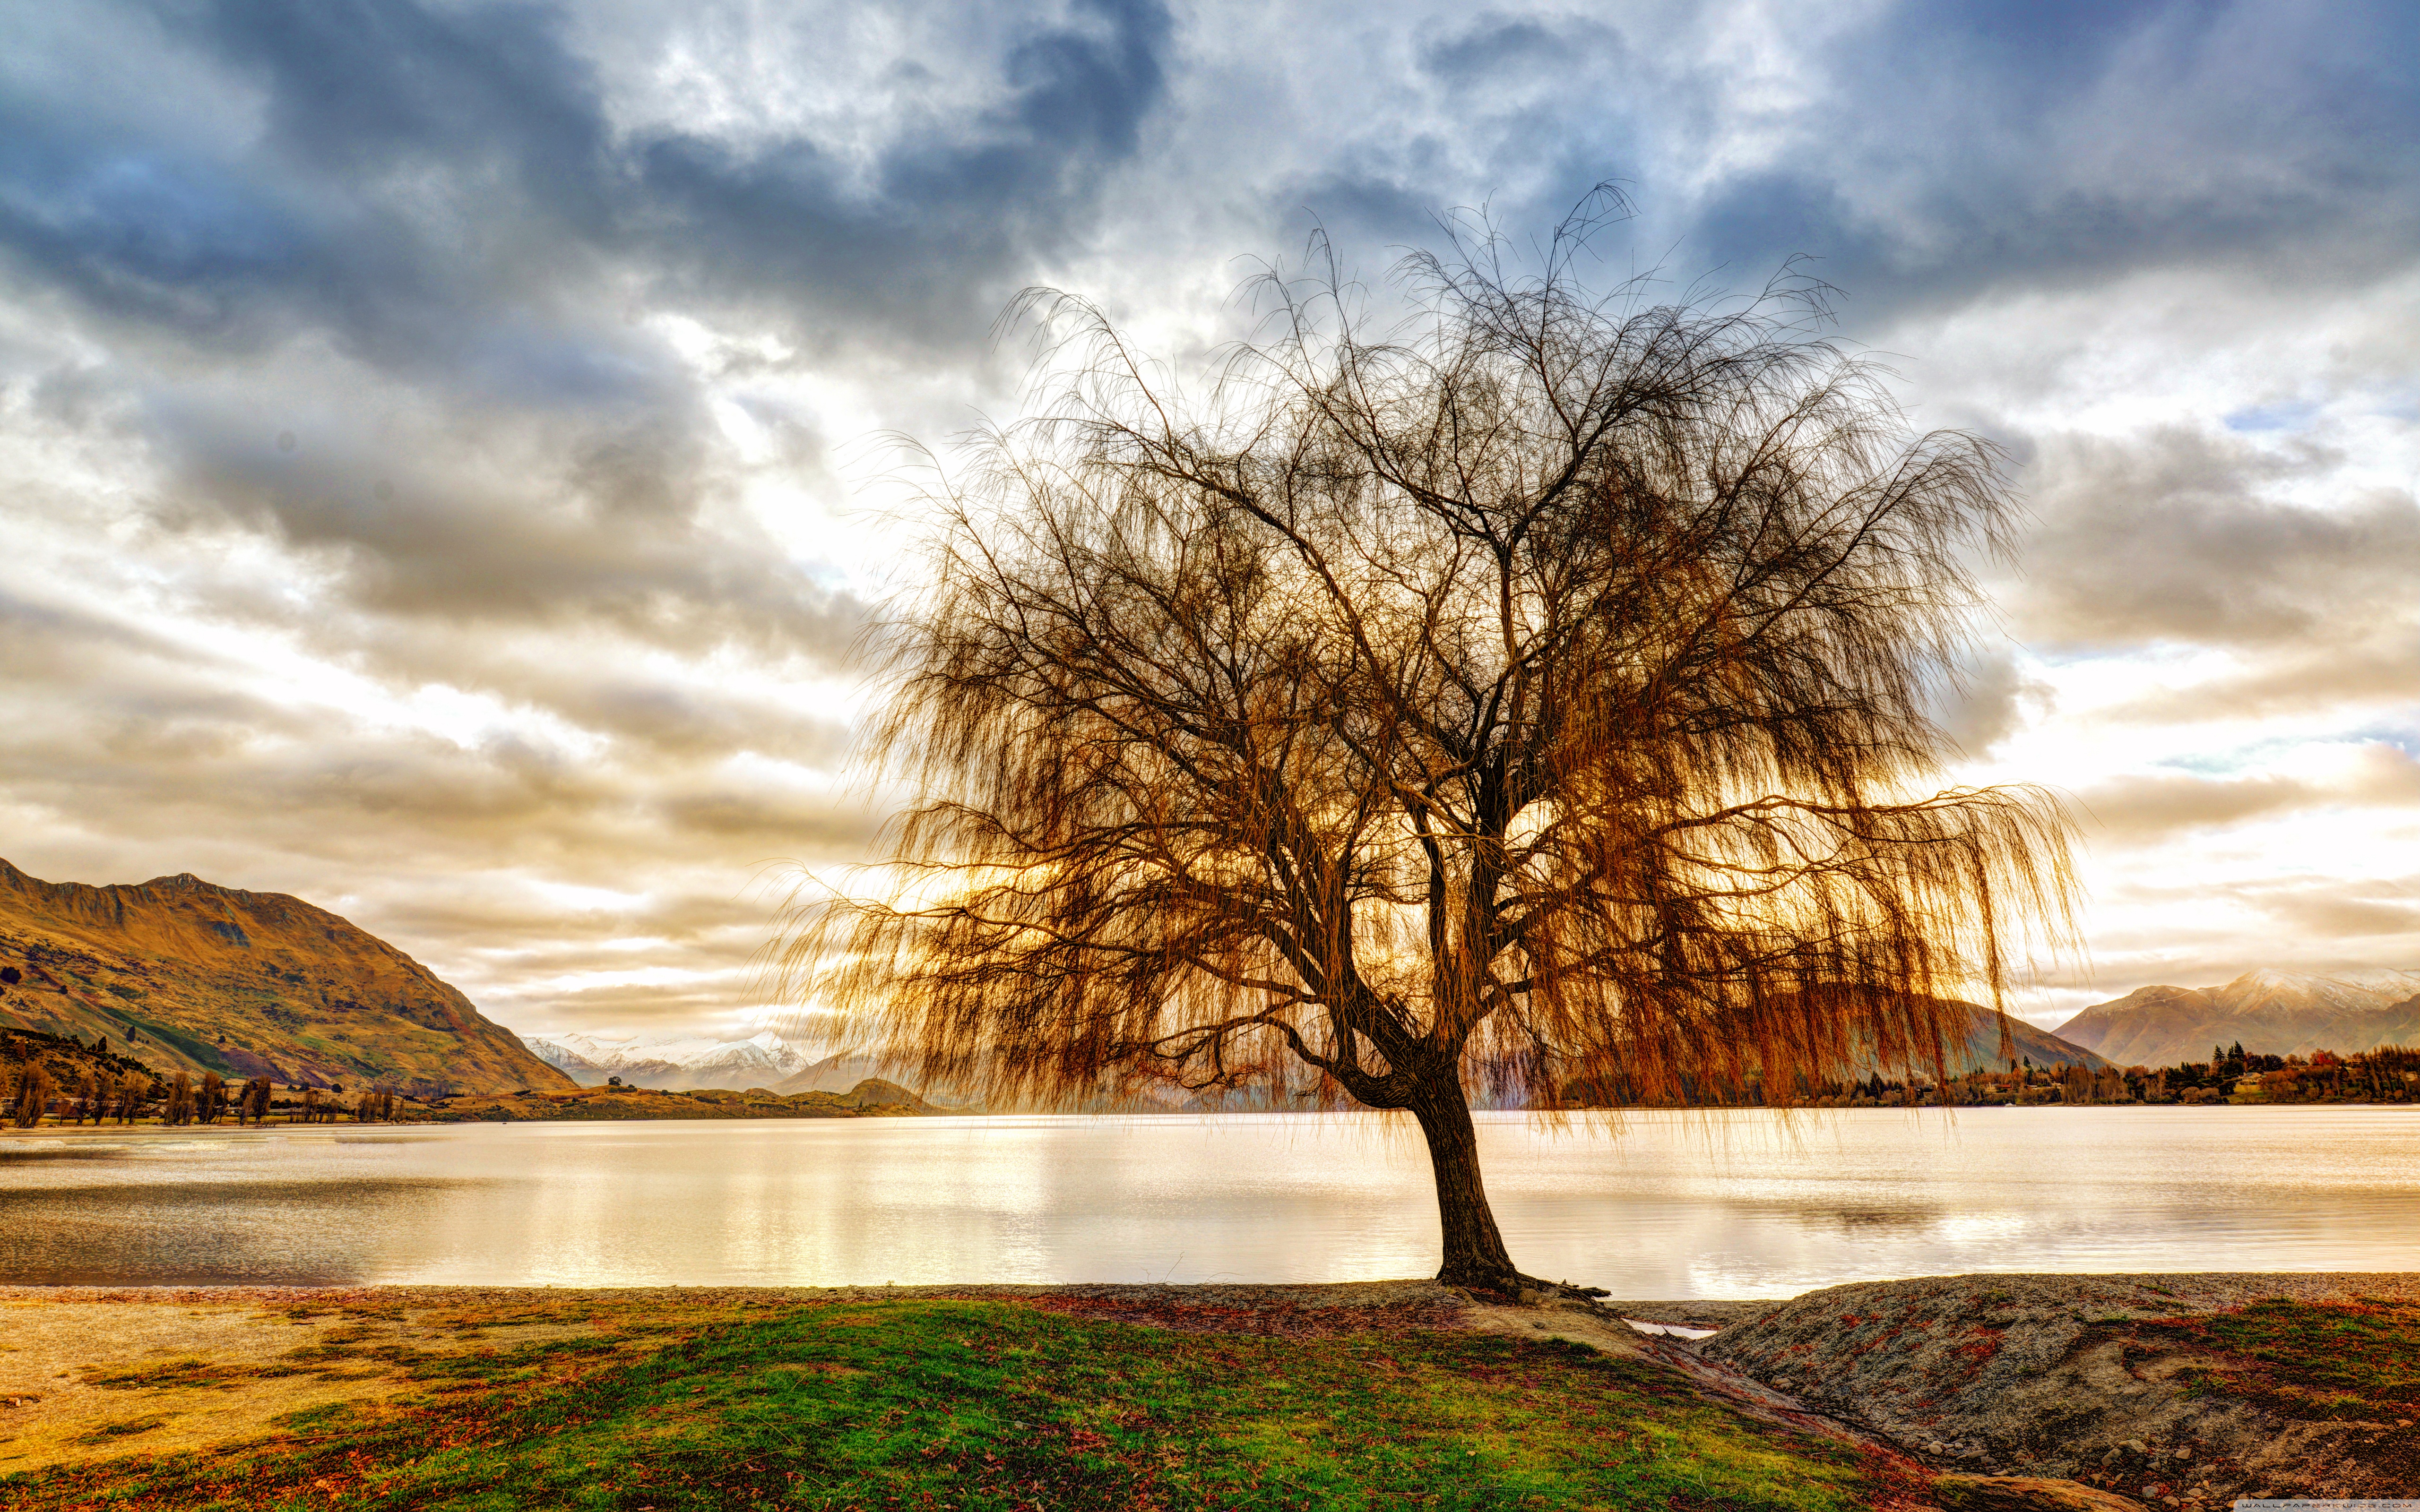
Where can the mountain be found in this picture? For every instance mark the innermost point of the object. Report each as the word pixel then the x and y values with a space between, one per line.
pixel 678 1064
pixel 185 974
pixel 768 1062
pixel 2271 1012
pixel 836 1073
pixel 1978 1048
pixel 1981 1049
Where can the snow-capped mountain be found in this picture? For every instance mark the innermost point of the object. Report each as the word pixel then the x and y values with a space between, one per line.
pixel 675 1063
pixel 2271 1012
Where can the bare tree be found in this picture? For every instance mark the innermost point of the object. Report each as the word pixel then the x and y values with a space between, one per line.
pixel 1540 692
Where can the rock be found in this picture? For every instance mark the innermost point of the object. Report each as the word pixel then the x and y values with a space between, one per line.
pixel 2017 1493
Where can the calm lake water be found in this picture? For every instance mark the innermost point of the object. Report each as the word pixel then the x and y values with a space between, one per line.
pixel 1659 1205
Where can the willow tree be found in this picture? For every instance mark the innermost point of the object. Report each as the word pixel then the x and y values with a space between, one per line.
pixel 1538 693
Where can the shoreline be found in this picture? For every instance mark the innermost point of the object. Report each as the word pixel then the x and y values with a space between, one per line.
pixel 1547 1116
pixel 2175 1291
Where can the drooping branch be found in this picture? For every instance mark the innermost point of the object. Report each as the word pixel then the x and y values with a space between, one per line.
pixel 1546 689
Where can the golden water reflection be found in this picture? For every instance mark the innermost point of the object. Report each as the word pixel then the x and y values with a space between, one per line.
pixel 1653 1204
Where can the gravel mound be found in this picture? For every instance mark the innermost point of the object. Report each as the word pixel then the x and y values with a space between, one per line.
pixel 2038 1375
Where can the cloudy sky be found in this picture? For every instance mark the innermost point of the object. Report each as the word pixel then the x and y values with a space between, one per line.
pixel 440 459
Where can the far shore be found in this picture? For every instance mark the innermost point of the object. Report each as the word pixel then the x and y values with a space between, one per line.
pixel 498 1111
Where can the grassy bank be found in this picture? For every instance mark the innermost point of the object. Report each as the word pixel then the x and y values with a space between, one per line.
pixel 571 1400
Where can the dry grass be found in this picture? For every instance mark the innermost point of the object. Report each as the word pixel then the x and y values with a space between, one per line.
pixel 171 1377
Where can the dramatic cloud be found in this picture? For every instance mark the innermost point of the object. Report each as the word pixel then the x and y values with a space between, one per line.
pixel 443 438
pixel 445 190
pixel 2181 535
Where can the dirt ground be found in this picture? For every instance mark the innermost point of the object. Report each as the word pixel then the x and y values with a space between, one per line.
pixel 2073 1377
pixel 86 1372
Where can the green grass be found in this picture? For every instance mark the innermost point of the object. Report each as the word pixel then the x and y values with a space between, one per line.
pixel 995 1407
pixel 2358 1361
pixel 109 1431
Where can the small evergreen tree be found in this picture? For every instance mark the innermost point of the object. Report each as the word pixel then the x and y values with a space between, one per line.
pixel 33 1094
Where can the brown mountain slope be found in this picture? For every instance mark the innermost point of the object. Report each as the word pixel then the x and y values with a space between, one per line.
pixel 1981 1049
pixel 185 974
pixel 2271 1012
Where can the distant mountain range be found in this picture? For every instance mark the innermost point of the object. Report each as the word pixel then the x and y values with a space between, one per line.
pixel 671 1063
pixel 682 1063
pixel 2271 1012
pixel 675 1063
pixel 185 974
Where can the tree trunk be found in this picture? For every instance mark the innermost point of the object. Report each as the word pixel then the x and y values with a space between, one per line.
pixel 1474 1251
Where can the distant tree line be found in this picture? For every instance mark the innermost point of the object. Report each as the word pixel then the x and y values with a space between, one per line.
pixel 2388 1074
pixel 35 1091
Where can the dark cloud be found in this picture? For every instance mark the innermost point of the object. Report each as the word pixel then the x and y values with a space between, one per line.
pixel 1994 701
pixel 1958 150
pixel 607 521
pixel 442 188
pixel 2339 917
pixel 1524 45
pixel 2147 810
pixel 1923 157
pixel 2378 665
pixel 2177 534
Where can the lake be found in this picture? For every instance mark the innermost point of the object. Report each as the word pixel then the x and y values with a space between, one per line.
pixel 1731 1204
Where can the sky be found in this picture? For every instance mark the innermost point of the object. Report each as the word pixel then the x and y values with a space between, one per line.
pixel 447 450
